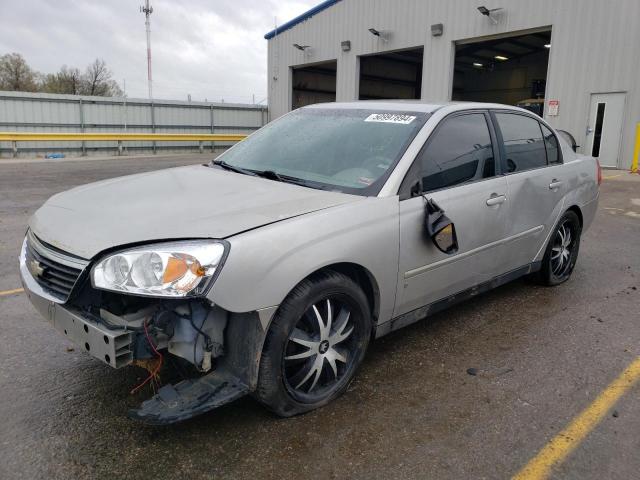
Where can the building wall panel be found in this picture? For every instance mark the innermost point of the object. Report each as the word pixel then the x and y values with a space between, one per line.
pixel 594 49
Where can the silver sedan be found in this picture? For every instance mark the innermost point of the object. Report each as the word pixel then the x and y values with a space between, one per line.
pixel 269 270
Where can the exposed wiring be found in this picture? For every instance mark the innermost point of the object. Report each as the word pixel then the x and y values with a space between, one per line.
pixel 153 374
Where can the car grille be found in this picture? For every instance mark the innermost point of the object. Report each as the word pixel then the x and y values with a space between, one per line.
pixel 56 271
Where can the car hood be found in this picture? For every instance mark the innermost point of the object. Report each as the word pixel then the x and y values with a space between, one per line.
pixel 186 202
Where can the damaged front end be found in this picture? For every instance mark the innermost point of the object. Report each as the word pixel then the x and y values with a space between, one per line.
pixel 221 349
pixel 192 330
pixel 187 332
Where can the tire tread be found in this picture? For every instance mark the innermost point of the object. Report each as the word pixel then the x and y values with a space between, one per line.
pixel 270 390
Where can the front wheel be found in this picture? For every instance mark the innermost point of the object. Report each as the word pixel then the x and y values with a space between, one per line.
pixel 314 345
pixel 562 251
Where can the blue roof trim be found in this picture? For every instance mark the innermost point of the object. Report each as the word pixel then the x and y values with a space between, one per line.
pixel 300 18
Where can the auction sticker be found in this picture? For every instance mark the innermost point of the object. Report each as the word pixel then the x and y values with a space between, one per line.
pixel 390 118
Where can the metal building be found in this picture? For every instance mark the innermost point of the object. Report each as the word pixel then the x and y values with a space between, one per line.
pixel 576 62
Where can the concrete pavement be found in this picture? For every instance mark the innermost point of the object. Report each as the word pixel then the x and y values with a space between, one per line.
pixel 542 356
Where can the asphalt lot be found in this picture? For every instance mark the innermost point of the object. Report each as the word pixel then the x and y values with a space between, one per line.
pixel 542 356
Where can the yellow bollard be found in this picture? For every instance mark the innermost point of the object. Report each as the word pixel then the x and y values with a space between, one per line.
pixel 636 151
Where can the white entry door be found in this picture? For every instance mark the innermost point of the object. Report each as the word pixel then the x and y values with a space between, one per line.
pixel 605 127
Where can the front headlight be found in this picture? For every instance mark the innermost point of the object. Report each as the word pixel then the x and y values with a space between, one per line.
pixel 176 269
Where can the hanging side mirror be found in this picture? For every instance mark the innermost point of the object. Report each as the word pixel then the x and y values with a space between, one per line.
pixel 440 229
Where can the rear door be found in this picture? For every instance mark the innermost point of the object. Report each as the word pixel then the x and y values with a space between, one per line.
pixel 536 183
pixel 457 168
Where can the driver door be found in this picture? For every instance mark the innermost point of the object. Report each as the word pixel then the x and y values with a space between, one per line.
pixel 457 167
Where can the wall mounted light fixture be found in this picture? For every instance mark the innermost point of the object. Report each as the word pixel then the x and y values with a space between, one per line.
pixel 378 34
pixel 489 13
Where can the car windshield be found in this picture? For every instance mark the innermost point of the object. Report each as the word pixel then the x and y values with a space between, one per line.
pixel 348 150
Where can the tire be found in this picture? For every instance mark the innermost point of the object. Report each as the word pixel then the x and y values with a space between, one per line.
pixel 561 255
pixel 315 344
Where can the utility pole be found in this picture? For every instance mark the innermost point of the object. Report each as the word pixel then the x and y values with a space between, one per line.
pixel 124 102
pixel 148 10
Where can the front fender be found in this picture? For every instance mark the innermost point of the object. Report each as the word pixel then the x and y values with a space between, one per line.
pixel 265 264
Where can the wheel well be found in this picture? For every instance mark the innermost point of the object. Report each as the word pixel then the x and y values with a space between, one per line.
pixel 577 211
pixel 364 279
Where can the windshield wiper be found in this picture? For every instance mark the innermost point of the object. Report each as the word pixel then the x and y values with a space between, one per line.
pixel 232 168
pixel 268 174
pixel 279 177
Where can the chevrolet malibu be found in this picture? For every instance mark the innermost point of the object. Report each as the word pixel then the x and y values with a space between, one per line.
pixel 269 270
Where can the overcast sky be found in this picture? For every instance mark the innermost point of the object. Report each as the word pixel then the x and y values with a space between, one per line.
pixel 210 49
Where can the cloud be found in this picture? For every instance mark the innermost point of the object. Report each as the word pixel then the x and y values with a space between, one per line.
pixel 211 49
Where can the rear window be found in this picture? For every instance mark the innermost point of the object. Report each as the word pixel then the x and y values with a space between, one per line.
pixel 523 143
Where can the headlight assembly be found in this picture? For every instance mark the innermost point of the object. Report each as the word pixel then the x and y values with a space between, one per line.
pixel 176 269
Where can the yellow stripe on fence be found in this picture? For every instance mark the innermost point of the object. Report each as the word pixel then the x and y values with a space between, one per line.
pixel 119 137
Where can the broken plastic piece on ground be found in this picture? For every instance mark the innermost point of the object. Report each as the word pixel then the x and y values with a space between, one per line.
pixel 186 399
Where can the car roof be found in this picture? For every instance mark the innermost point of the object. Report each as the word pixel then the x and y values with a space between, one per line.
pixel 408 105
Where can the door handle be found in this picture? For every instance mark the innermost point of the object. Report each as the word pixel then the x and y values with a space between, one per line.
pixel 555 184
pixel 496 199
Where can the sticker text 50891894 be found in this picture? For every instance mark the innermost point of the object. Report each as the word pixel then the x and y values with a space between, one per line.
pixel 390 118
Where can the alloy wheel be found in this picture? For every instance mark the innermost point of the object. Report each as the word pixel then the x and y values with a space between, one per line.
pixel 562 249
pixel 320 350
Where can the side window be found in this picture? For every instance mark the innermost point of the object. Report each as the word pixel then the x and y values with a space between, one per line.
pixel 551 144
pixel 459 151
pixel 523 144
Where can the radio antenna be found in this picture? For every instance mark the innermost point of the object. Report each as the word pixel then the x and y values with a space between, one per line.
pixel 148 10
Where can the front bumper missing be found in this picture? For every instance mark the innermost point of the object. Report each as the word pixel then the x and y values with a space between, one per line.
pixel 112 347
pixel 172 403
pixel 235 376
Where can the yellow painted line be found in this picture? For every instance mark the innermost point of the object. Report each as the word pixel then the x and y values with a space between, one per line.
pixel 568 439
pixel 11 292
pixel 612 176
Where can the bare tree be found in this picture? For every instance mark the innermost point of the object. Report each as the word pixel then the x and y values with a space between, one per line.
pixel 97 80
pixel 15 74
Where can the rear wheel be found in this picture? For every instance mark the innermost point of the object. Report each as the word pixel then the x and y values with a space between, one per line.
pixel 314 345
pixel 562 251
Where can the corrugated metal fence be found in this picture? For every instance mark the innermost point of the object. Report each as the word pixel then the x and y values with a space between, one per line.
pixel 40 112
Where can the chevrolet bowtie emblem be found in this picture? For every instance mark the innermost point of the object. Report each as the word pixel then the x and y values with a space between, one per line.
pixel 35 268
